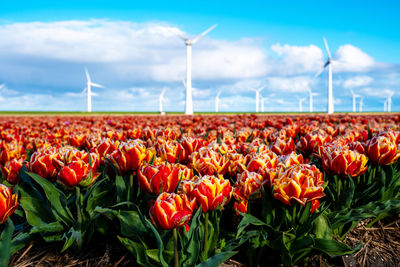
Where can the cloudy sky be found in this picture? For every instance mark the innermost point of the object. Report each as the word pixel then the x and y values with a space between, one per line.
pixel 133 51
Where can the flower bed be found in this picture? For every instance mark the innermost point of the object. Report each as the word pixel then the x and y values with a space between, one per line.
pixel 186 191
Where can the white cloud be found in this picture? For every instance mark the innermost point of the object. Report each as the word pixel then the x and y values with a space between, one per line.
pixel 290 84
pixel 352 59
pixel 298 59
pixel 357 81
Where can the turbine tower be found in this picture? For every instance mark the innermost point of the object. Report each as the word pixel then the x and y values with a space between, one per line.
pixel 88 90
pixel 301 104
pixel 311 94
pixel 161 99
pixel 217 102
pixel 361 104
pixel 262 103
pixel 328 64
pixel 189 43
pixel 258 98
pixel 354 99
pixel 389 102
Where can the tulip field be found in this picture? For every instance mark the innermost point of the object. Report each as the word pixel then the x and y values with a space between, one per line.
pixel 198 190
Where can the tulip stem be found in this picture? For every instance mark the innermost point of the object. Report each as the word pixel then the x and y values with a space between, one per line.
pixel 176 248
pixel 78 204
pixel 131 186
pixel 206 234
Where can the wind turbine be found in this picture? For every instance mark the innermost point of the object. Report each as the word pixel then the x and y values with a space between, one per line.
pixel 361 104
pixel 258 97
pixel 217 101
pixel 262 103
pixel 311 98
pixel 88 90
pixel 328 64
pixel 161 99
pixel 389 102
pixel 354 99
pixel 301 104
pixel 189 43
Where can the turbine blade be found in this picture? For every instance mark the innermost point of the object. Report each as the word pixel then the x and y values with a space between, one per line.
pixel 319 72
pixel 327 48
pixel 97 85
pixel 87 75
pixel 203 33
pixel 184 83
pixel 84 90
pixel 182 37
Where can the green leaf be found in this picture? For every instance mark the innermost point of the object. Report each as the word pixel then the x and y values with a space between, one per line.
pixel 121 189
pixel 137 249
pixel 131 224
pixel 5 243
pixel 217 259
pixel 192 247
pixel 333 247
pixel 53 227
pixel 246 221
pixel 322 228
pixel 20 241
pixel 98 195
pixel 74 237
pixel 57 199
pixel 153 254
pixel 160 244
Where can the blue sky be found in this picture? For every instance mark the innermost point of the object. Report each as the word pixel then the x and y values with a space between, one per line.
pixel 132 50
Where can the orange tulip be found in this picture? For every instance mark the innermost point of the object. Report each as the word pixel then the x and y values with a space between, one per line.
pixel 171 211
pixel 299 183
pixel 248 184
pixel 41 163
pixel 264 160
pixel 172 151
pixel 209 162
pixel 8 203
pixel 343 161
pixel 11 170
pixel 212 192
pixel 282 146
pixel 311 141
pixel 129 156
pixel 156 179
pixel 383 149
pixel 192 144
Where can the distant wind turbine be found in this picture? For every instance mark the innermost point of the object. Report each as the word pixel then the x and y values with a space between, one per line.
pixel 301 104
pixel 262 103
pixel 217 102
pixel 161 99
pixel 389 101
pixel 189 43
pixel 88 90
pixel 311 94
pixel 361 104
pixel 328 64
pixel 354 99
pixel 258 97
